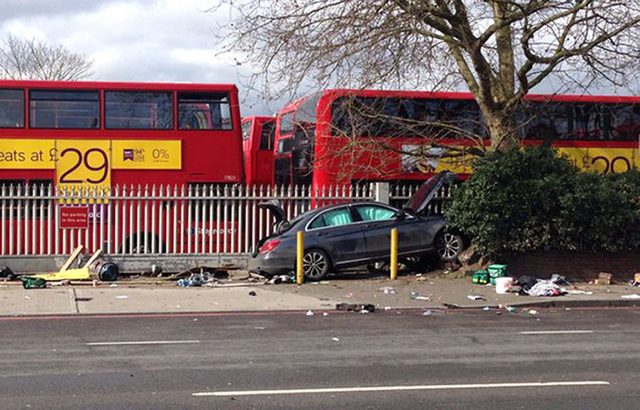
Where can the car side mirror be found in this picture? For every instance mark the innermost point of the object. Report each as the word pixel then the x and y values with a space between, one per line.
pixel 401 216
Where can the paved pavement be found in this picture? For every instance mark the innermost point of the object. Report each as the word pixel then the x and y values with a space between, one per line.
pixel 236 295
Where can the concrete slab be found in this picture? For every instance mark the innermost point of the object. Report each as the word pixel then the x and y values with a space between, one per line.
pixel 15 300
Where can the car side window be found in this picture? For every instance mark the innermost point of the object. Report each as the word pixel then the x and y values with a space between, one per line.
pixel 335 217
pixel 375 213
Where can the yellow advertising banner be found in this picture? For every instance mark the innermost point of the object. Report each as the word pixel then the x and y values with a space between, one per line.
pixel 603 160
pixel 88 163
pixel 144 154
pixel 83 164
pixel 426 159
pixel 27 154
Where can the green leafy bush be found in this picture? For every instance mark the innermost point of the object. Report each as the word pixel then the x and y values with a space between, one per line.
pixel 533 199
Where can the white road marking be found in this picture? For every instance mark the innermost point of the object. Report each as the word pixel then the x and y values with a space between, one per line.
pixel 146 342
pixel 397 388
pixel 557 332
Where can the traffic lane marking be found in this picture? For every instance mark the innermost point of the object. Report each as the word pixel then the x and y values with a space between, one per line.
pixel 556 332
pixel 397 388
pixel 144 342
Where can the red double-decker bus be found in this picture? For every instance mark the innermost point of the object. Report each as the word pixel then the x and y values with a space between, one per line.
pixel 258 134
pixel 99 134
pixel 336 137
pixel 90 137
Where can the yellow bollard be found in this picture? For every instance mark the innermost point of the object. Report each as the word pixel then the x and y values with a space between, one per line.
pixel 300 258
pixel 394 254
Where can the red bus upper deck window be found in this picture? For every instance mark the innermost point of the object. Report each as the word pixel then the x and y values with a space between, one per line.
pixel 139 110
pixel 204 111
pixel 11 109
pixel 64 109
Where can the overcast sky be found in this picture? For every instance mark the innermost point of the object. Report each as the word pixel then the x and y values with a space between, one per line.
pixel 142 40
pixel 134 40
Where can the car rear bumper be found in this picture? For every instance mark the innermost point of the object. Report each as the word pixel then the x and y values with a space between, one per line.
pixel 271 266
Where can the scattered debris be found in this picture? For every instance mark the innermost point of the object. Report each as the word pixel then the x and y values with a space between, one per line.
pixel 83 299
pixel 434 312
pixel 122 297
pixel 486 308
pixel 348 295
pixel 511 309
pixel 113 285
pixel 533 312
pixel 335 339
pixel 216 273
pixel 198 279
pixel 388 290
pixel 417 296
pixel 450 305
pixel 31 282
pixel 539 287
pixel 281 279
pixel 632 296
pixel 579 292
pixel 352 307
pixel 253 293
pixel 309 313
pixel 325 314
pixel 604 278
pixel 7 273
pixel 475 297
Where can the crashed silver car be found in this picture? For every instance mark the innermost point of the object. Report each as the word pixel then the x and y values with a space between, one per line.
pixel 352 234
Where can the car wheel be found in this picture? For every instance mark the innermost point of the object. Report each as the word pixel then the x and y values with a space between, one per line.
pixel 448 246
pixel 316 264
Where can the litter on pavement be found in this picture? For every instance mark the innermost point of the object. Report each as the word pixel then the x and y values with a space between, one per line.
pixel 632 296
pixel 388 290
pixel 540 287
pixel 417 296
pixel 352 307
pixel 475 297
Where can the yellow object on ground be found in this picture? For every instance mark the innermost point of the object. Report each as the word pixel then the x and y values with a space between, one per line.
pixel 69 274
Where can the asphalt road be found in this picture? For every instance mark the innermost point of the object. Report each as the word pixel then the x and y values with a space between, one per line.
pixel 457 359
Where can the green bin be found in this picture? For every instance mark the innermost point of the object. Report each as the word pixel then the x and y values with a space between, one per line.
pixel 496 271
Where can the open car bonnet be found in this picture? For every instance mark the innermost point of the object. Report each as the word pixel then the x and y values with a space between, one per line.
pixel 428 191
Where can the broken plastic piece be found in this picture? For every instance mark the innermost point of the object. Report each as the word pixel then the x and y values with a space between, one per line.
pixel 475 297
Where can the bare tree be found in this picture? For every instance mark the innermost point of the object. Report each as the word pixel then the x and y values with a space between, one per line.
pixel 32 59
pixel 500 49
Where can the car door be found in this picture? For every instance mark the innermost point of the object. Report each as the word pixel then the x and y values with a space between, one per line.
pixel 377 223
pixel 335 231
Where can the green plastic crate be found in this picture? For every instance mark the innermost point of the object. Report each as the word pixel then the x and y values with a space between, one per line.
pixel 496 271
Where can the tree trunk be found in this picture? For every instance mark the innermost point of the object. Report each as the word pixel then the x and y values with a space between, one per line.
pixel 502 130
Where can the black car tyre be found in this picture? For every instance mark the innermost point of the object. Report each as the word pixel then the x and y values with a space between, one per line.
pixel 316 264
pixel 448 246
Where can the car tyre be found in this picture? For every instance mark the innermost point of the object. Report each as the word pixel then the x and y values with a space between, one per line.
pixel 316 264
pixel 448 246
